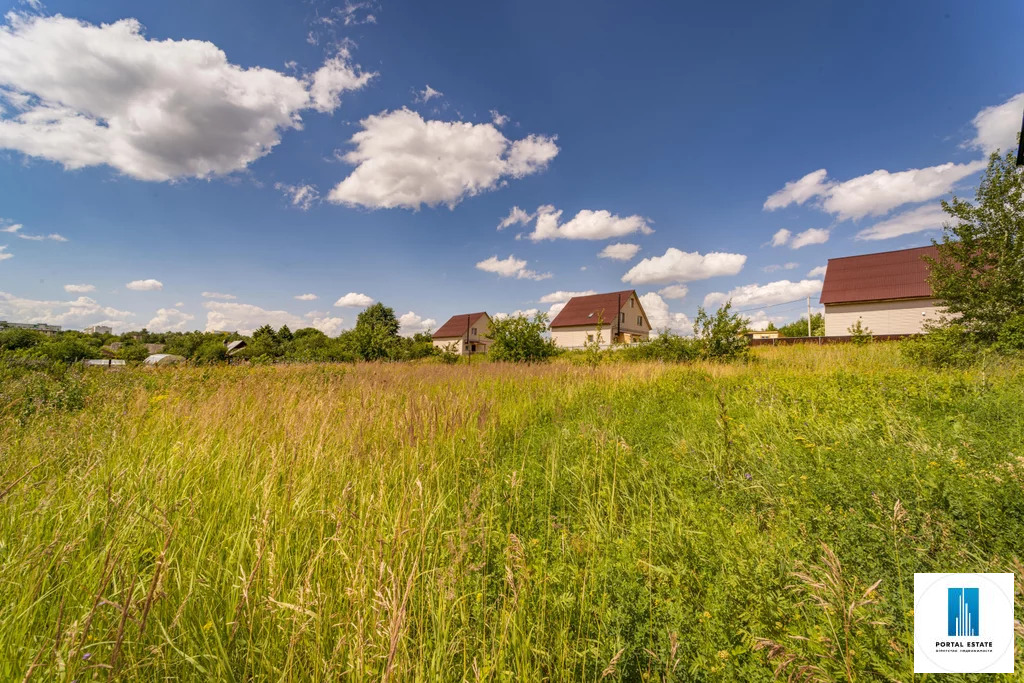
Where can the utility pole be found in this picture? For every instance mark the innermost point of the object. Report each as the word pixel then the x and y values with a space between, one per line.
pixel 809 317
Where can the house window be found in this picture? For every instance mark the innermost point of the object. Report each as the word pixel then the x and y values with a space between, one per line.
pixel 631 303
pixel 473 331
pixel 590 338
pixel 640 320
pixel 622 317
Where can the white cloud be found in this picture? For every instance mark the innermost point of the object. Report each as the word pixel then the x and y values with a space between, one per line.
pixel 799 191
pixel 875 193
pixel 674 291
pixel 515 217
pixel 149 285
pixel 585 225
pixel 661 318
pixel 401 160
pixel 89 95
pixel 817 272
pixel 229 316
pixel 4 254
pixel 180 304
pixel 801 239
pixel 15 228
pixel 218 295
pixel 681 266
pixel 928 217
pixel 529 312
pixel 356 13
pixel 510 267
pixel 428 94
pixel 498 119
pixel 75 313
pixel 331 326
pixel 785 266
pixel 169 320
pixel 12 228
pixel 563 296
pixel 354 299
pixel 410 323
pixel 619 252
pixel 79 289
pixel 301 196
pixel 749 296
pixel 996 127
pixel 781 237
pixel 306 297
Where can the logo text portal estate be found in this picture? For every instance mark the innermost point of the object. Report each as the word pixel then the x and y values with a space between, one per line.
pixel 963 623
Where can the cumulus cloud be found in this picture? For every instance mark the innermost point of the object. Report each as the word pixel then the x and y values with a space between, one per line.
pixel 682 266
pixel 79 289
pixel 244 318
pixel 169 320
pixel 621 251
pixel 4 254
pixel 329 325
pixel 997 127
pixel 585 225
pixel 749 296
pixel 410 323
pixel 660 318
pixel 218 295
pixel 74 313
pixel 498 119
pixel 801 239
pixel 529 312
pixel 306 297
pixel 355 300
pixel 875 193
pixel 928 217
pixel 149 285
pixel 88 95
pixel 674 291
pixel 817 272
pixel 301 196
pixel 562 296
pixel 13 228
pixel 402 160
pixel 510 267
pixel 515 217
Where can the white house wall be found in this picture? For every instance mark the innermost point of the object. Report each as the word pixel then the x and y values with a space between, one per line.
pixel 881 317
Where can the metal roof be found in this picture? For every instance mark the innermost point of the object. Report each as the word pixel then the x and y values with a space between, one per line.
pixel 458 325
pixel 164 359
pixel 587 310
pixel 884 276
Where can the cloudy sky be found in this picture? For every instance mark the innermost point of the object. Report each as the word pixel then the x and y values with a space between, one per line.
pixel 217 165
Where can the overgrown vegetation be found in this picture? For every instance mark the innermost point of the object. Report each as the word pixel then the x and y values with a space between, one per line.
pixel 634 521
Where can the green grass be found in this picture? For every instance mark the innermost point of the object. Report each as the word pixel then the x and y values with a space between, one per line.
pixel 494 522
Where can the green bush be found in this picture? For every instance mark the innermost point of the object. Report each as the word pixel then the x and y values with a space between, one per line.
pixel 1011 335
pixel 667 347
pixel 948 346
pixel 721 336
pixel 518 340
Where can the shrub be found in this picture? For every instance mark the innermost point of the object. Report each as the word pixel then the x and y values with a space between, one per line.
pixel 211 352
pixel 517 339
pixel 1011 335
pixel 720 336
pixel 448 354
pixel 859 333
pixel 667 347
pixel 948 346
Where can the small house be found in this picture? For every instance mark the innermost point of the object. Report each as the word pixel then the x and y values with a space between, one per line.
pixel 465 333
pixel 613 318
pixel 888 292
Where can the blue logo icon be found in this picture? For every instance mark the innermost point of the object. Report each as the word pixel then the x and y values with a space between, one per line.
pixel 963 612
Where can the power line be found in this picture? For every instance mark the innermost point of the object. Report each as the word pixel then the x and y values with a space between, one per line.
pixel 761 308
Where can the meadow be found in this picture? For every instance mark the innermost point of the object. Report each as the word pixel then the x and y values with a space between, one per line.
pixel 419 521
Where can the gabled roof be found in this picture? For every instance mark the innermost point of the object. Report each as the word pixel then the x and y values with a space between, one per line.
pixel 458 325
pixel 888 275
pixel 587 310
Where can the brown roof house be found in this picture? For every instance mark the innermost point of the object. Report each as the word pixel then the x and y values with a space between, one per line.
pixel 613 318
pixel 888 292
pixel 465 333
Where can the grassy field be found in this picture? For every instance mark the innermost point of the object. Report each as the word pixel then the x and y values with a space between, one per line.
pixel 492 522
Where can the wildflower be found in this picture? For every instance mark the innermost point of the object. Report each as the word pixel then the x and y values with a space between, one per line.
pixel 723 654
pixel 747 476
pixel 87 656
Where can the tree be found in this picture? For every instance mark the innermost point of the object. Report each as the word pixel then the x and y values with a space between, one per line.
pixel 211 351
pixel 799 328
pixel 721 335
pixel 516 339
pixel 376 332
pixel 979 272
pixel 133 351
pixel 18 338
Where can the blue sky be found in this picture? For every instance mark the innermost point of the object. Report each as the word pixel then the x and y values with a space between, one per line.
pixel 266 150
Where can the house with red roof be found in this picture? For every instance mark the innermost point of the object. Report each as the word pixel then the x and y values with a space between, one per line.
pixel 465 333
pixel 888 292
pixel 612 318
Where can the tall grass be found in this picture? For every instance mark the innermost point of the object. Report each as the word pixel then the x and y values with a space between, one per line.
pixel 494 522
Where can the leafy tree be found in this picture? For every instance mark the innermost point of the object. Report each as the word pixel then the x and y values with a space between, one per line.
pixel 517 339
pixel 376 332
pixel 210 351
pixel 133 351
pixel 16 338
pixel 69 348
pixel 264 344
pixel 799 328
pixel 721 336
pixel 979 272
pixel 284 334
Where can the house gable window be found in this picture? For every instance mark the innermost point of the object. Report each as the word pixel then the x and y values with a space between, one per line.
pixel 640 320
pixel 622 317
pixel 473 331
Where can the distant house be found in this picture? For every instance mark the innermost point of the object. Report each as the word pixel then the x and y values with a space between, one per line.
pixel 108 363
pixel 762 334
pixel 621 318
pixel 234 347
pixel 466 333
pixel 888 292
pixel 98 329
pixel 164 359
pixel 37 327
